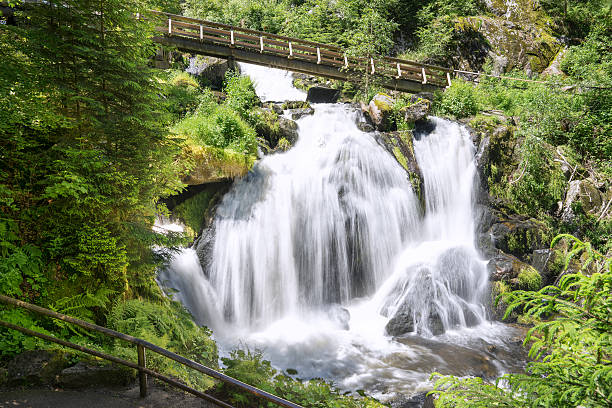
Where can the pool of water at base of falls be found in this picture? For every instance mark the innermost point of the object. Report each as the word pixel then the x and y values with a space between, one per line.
pixel 314 254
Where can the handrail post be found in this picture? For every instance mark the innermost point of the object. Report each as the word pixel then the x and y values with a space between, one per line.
pixel 399 71
pixel 232 41
pixel 345 61
pixel 424 76
pixel 261 44
pixel 318 55
pixel 372 63
pixel 169 26
pixel 201 33
pixel 448 78
pixel 142 363
pixel 290 50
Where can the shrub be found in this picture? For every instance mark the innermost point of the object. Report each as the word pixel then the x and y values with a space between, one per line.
pixel 169 326
pixel 458 101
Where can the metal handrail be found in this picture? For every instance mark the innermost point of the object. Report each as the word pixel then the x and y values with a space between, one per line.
pixel 141 366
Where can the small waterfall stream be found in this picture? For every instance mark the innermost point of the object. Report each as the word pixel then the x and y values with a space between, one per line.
pixel 318 249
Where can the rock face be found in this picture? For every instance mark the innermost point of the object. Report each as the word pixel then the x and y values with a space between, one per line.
pixel 319 94
pixel 402 323
pixel 516 36
pixel 211 71
pixel 35 367
pixel 400 145
pixel 417 111
pixel 581 195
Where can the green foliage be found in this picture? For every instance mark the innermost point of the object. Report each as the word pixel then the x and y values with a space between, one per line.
pixel 224 126
pixel 182 93
pixel 250 367
pixel 529 279
pixel 193 210
pixel 570 344
pixel 169 326
pixel 81 120
pixel 241 96
pixel 459 101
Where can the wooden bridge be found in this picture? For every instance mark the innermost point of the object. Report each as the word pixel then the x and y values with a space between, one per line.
pixel 292 54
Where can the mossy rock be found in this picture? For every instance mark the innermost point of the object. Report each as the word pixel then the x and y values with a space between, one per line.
pixel 210 164
pixel 524 45
pixel 400 145
pixel 529 278
pixel 295 105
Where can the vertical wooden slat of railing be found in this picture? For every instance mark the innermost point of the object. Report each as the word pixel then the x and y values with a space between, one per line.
pixel 142 364
pixel 424 75
pixel 169 26
pixel 318 55
pixel 290 50
pixel 448 79
pixel 201 33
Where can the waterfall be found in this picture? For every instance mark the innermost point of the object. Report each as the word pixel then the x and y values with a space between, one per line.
pixel 323 252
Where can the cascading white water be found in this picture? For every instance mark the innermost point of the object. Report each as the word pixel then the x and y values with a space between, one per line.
pixel 320 249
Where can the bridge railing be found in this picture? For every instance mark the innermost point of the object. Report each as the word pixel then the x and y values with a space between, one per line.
pixel 141 366
pixel 293 48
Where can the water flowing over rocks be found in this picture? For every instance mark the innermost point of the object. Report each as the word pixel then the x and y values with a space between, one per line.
pixel 331 254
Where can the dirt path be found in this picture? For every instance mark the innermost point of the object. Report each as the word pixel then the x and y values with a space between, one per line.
pixel 159 397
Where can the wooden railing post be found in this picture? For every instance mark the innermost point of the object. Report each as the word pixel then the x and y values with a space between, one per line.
pixel 424 76
pixel 142 363
pixel 169 26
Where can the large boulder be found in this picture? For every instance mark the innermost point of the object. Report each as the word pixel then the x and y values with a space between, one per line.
pixel 581 196
pixel 211 71
pixel 36 367
pixel 509 43
pixel 319 94
pixel 95 374
pixel 380 112
pixel 418 110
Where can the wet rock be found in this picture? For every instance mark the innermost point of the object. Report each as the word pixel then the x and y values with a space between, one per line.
pixel 402 323
pixel 297 114
pixel 447 358
pixel 417 111
pixel 339 315
pixel 581 196
pixel 295 105
pixel 365 127
pixel 36 367
pixel 288 130
pixel 400 145
pixel 380 111
pixel 274 107
pixel 319 94
pixel 89 374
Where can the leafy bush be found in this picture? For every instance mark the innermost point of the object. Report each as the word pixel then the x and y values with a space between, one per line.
pixel 169 326
pixel 250 367
pixel 241 96
pixel 459 101
pixel 570 344
pixel 222 128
